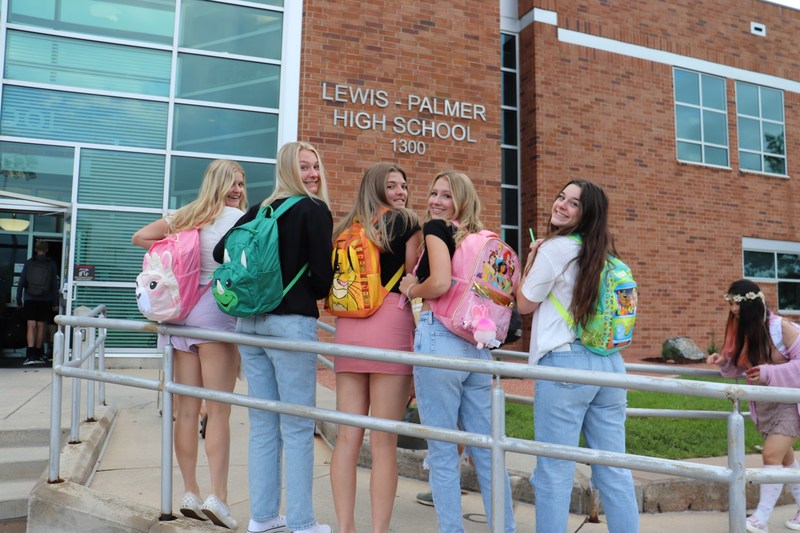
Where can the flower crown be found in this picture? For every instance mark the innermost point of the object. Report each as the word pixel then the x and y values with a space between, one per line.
pixel 739 298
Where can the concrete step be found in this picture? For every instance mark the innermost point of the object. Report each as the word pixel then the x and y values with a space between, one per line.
pixel 23 462
pixel 14 498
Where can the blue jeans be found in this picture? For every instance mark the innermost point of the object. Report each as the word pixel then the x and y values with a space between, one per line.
pixel 561 412
pixel 451 399
pixel 290 377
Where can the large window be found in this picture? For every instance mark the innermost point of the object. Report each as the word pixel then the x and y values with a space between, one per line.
pixel 701 120
pixel 762 135
pixel 778 262
pixel 510 141
pixel 118 106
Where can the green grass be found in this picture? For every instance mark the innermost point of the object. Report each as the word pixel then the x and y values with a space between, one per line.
pixel 668 438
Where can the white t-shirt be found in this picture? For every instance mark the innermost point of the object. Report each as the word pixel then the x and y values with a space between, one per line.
pixel 553 270
pixel 210 235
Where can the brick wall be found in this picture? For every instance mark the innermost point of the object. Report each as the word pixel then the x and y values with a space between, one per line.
pixel 610 118
pixel 431 49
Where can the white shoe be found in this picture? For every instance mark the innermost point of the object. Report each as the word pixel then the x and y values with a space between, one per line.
pixel 218 512
pixel 319 528
pixel 192 507
pixel 276 525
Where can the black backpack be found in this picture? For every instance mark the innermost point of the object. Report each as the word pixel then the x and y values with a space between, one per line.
pixel 38 277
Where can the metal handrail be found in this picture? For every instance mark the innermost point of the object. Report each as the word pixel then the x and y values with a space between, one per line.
pixel 734 475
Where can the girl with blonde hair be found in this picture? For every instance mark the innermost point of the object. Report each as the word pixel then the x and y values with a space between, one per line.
pixel 285 375
pixel 201 363
pixel 447 398
pixel 371 387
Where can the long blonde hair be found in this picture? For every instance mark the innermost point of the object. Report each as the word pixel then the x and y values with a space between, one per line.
pixel 288 181
pixel 371 202
pixel 218 180
pixel 466 203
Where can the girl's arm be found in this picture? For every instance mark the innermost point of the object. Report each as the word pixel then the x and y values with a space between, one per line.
pixel 785 374
pixel 439 281
pixel 412 250
pixel 151 233
pixel 524 305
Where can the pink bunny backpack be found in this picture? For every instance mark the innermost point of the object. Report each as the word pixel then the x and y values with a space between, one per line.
pixel 169 285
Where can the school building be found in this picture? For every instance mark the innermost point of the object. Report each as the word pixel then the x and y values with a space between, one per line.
pixel 687 112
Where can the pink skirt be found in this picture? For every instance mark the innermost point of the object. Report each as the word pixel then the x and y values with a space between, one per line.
pixel 391 328
pixel 206 315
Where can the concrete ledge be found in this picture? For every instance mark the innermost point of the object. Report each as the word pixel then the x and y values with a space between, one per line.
pixel 78 461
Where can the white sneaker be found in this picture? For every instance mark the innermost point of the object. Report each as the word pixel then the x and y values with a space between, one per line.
pixel 319 528
pixel 192 507
pixel 218 512
pixel 794 523
pixel 276 525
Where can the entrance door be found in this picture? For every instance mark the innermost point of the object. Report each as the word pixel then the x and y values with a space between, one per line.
pixel 23 221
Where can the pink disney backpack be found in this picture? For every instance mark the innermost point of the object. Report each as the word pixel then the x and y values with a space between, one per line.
pixel 169 285
pixel 477 307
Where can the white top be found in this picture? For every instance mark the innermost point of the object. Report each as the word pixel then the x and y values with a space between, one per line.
pixel 551 272
pixel 210 235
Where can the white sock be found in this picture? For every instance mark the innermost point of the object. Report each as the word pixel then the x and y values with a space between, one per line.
pixel 769 494
pixel 795 487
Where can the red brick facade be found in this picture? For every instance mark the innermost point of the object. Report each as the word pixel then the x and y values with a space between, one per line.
pixel 610 118
pixel 584 112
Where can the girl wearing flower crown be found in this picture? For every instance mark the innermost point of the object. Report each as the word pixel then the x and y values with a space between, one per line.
pixel 756 342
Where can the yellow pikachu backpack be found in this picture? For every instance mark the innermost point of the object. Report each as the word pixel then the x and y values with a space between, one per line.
pixel 356 291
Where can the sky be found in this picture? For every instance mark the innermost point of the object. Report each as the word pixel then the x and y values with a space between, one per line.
pixel 790 3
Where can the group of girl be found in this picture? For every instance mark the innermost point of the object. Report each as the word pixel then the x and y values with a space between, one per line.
pixel 558 264
pixel 446 398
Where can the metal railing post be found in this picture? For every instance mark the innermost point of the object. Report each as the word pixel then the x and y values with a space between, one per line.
pixel 75 423
pixel 737 486
pixel 55 408
pixel 498 458
pixel 101 362
pixel 166 438
pixel 90 385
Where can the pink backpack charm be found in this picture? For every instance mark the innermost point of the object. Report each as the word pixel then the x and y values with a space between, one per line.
pixel 477 307
pixel 169 285
pixel 484 330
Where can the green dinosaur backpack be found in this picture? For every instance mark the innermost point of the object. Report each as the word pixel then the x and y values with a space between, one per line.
pixel 249 281
pixel 610 327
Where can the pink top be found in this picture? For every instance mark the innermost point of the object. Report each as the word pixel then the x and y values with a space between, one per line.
pixel 775 375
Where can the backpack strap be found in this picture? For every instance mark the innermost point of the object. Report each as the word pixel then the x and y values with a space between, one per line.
pixel 289 202
pixel 395 278
pixel 561 310
pixel 294 280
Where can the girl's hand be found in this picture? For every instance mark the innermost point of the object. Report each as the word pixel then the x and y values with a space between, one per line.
pixel 532 255
pixel 715 359
pixel 408 281
pixel 754 375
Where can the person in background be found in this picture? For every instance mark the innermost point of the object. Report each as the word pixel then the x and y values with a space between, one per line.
pixel 562 411
pixel 448 398
pixel 766 349
pixel 37 295
pixel 201 363
pixel 371 387
pixel 287 375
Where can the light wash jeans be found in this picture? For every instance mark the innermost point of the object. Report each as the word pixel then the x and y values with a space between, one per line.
pixel 561 412
pixel 450 399
pixel 290 377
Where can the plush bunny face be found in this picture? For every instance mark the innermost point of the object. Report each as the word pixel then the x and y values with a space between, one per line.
pixel 483 328
pixel 157 288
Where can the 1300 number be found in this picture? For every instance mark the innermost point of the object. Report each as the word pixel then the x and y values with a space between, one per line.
pixel 409 147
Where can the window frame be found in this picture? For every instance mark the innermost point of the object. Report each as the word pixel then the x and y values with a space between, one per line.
pixel 761 121
pixel 703 109
pixel 750 244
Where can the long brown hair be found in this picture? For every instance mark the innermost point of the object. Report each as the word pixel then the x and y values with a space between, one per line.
pixel 597 245
pixel 747 341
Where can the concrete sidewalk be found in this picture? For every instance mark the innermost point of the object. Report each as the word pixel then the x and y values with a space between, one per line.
pixel 126 483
